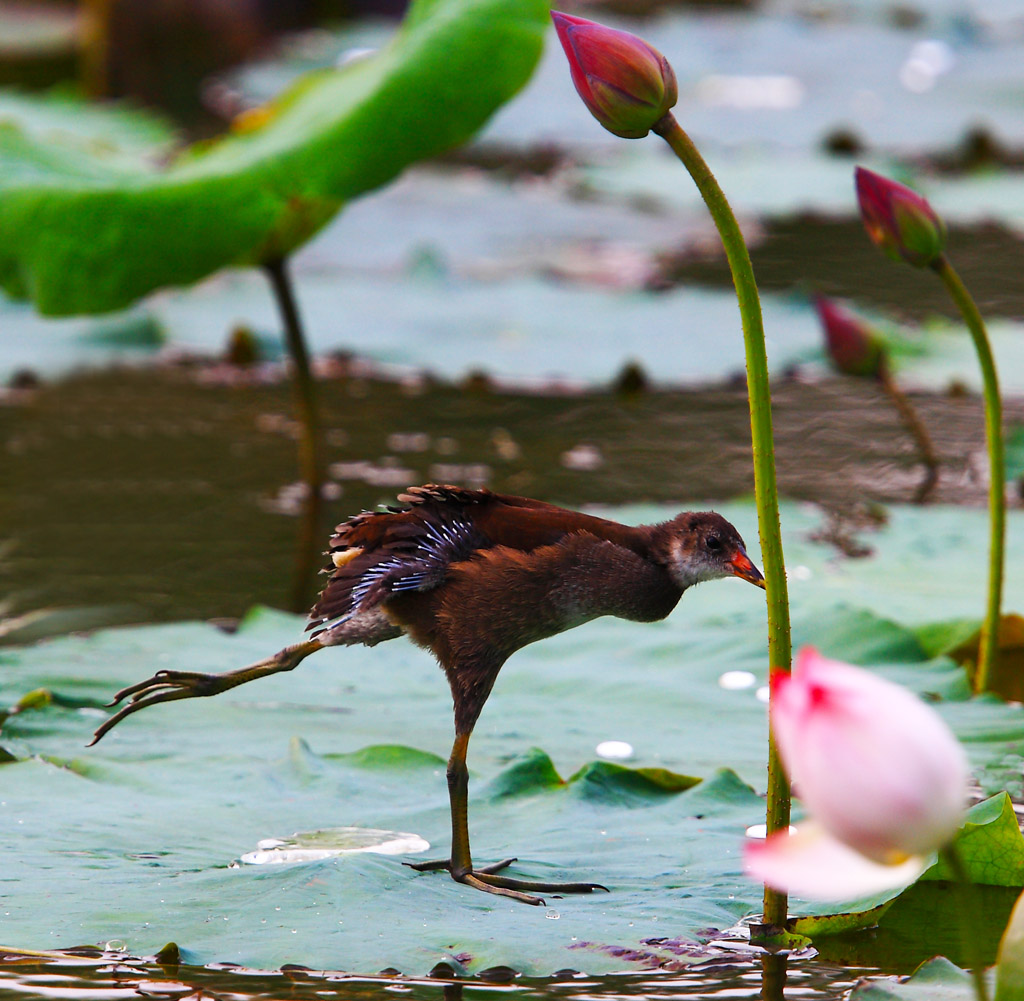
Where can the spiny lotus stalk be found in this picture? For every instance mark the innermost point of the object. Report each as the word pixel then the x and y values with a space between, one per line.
pixel 630 88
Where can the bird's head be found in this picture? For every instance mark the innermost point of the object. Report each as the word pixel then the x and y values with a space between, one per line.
pixel 701 545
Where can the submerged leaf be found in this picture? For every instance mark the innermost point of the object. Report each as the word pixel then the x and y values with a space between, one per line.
pixel 936 980
pixel 532 773
pixel 391 757
pixel 612 783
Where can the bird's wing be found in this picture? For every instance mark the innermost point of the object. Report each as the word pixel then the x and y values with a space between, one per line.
pixel 403 548
pixel 411 547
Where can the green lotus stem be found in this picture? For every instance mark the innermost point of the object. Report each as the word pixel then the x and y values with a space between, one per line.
pixel 765 489
pixel 310 461
pixel 988 651
pixel 95 36
pixel 970 919
pixel 916 427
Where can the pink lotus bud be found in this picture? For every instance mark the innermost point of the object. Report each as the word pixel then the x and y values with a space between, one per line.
pixel 879 771
pixel 627 85
pixel 874 765
pixel 853 347
pixel 899 220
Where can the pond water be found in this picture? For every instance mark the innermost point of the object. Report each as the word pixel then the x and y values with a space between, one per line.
pixel 112 976
pixel 179 480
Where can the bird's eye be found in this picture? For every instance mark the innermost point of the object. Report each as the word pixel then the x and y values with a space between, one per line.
pixel 713 543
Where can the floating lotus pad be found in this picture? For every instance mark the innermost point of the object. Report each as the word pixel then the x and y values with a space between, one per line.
pixel 133 839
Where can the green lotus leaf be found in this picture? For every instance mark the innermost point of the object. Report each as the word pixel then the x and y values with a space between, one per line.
pixel 936 980
pixel 88 230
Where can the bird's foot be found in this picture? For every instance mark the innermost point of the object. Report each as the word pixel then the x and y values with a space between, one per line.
pixel 169 686
pixel 484 878
pixel 164 686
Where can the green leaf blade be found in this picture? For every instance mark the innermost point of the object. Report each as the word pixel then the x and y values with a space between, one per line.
pixel 87 234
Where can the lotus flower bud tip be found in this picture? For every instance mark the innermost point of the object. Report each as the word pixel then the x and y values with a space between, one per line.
pixel 899 220
pixel 627 85
pixel 853 346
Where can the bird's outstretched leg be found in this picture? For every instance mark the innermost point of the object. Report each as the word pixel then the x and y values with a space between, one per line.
pixel 169 686
pixel 460 865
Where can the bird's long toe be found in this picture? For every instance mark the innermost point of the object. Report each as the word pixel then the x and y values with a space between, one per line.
pixel 509 883
pixel 435 864
pixel 432 866
pixel 485 878
pixel 495 866
pixel 483 883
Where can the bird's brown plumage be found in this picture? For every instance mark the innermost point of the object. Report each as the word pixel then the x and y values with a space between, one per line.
pixel 474 576
pixel 379 553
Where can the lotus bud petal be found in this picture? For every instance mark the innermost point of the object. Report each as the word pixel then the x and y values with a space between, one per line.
pixel 875 767
pixel 626 84
pixel 812 864
pixel 853 347
pixel 899 220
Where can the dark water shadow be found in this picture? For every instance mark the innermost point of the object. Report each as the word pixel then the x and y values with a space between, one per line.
pixel 169 493
pixel 114 976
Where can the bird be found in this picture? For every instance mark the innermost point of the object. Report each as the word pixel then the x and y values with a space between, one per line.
pixel 474 576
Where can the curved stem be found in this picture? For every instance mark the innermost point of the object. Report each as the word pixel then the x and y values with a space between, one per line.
pixel 920 433
pixel 969 919
pixel 765 488
pixel 988 651
pixel 310 462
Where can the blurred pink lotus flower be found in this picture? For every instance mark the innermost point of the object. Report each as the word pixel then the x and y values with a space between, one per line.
pixel 853 346
pixel 626 84
pixel 882 777
pixel 899 220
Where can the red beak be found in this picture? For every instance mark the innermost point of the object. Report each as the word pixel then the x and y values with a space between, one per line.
pixel 742 567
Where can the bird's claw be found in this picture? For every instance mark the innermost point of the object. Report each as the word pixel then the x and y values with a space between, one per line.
pixel 169 686
pixel 164 686
pixel 168 679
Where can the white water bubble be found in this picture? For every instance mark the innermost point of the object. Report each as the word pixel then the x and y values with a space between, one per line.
pixel 614 750
pixel 735 681
pixel 759 832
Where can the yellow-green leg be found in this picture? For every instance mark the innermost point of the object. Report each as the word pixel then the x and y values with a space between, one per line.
pixel 460 864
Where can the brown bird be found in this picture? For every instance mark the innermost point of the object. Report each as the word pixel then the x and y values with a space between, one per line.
pixel 474 576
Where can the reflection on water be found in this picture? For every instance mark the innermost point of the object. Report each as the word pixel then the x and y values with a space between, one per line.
pixel 114 976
